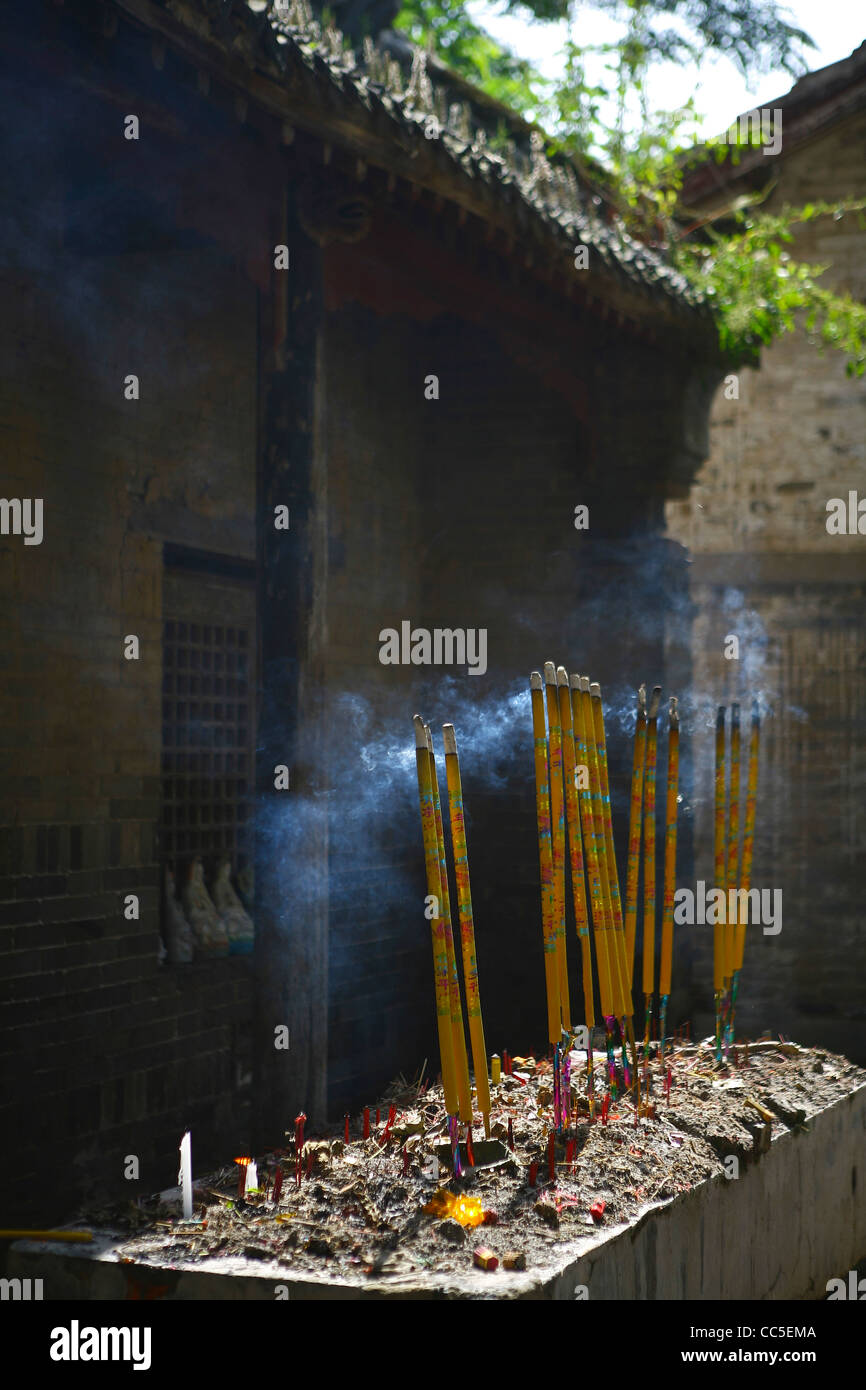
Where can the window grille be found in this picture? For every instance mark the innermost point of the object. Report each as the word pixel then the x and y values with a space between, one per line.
pixel 208 651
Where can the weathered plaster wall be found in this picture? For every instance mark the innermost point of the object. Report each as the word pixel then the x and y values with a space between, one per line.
pixel 764 567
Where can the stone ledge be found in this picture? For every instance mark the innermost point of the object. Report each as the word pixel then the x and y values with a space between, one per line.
pixel 788 1224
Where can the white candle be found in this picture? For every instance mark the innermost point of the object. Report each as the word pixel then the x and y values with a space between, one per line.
pixel 184 1177
pixel 252 1176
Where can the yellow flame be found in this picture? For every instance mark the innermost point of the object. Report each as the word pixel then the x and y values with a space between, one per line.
pixel 467 1210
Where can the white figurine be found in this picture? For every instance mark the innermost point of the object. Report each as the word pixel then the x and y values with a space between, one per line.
pixel 177 929
pixel 238 924
pixel 207 929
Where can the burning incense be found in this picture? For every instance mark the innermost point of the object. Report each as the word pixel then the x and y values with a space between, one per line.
pixel 587 821
pixel 599 925
pixel 720 874
pixel 613 878
pixel 617 997
pixel 748 847
pixel 575 842
pixel 467 928
pixel 545 855
pixel 557 826
pixel 634 832
pixel 604 787
pixel 733 838
pixel 461 1064
pixel 670 867
pixel 71 1237
pixel 649 862
pixel 589 745
pixel 437 926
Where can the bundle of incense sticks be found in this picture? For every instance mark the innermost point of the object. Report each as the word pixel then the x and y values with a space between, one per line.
pixel 449 1009
pixel 575 826
pixel 733 866
pixel 642 827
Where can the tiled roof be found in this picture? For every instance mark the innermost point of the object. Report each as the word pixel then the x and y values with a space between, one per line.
pixel 281 39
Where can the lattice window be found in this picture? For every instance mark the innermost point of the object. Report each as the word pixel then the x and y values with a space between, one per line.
pixel 207 721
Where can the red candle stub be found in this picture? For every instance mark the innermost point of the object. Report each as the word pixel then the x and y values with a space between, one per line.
pixel 346 1128
pixel 469 1154
pixel 605 1106
pixel 485 1259
pixel 533 1173
pixel 596 1211
pixel 242 1176
pixel 278 1185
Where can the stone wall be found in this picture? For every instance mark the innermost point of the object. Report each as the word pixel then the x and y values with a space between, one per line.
pixel 458 512
pixel 105 1051
pixel 765 567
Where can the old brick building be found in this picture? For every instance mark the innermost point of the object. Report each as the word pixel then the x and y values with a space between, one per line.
pixel 765 567
pixel 148 248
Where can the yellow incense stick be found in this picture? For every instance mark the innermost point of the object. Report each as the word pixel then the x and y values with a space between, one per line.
pixel 610 851
pixel 649 847
pixel 596 896
pixel 575 841
pixel 733 839
pixel 437 923
pixel 467 926
pixel 665 968
pixel 627 1008
pixel 617 996
pixel 634 832
pixel 78 1237
pixel 719 853
pixel 557 827
pixel 461 1065
pixel 545 855
pixel 748 831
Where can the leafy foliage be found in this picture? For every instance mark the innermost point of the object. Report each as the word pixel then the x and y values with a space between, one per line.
pixel 606 127
pixel 762 291
pixel 445 27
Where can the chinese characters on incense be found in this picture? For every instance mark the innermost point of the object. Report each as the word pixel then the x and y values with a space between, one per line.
pixel 575 829
pixel 449 1010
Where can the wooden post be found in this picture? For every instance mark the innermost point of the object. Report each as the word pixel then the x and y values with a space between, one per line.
pixel 291 872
